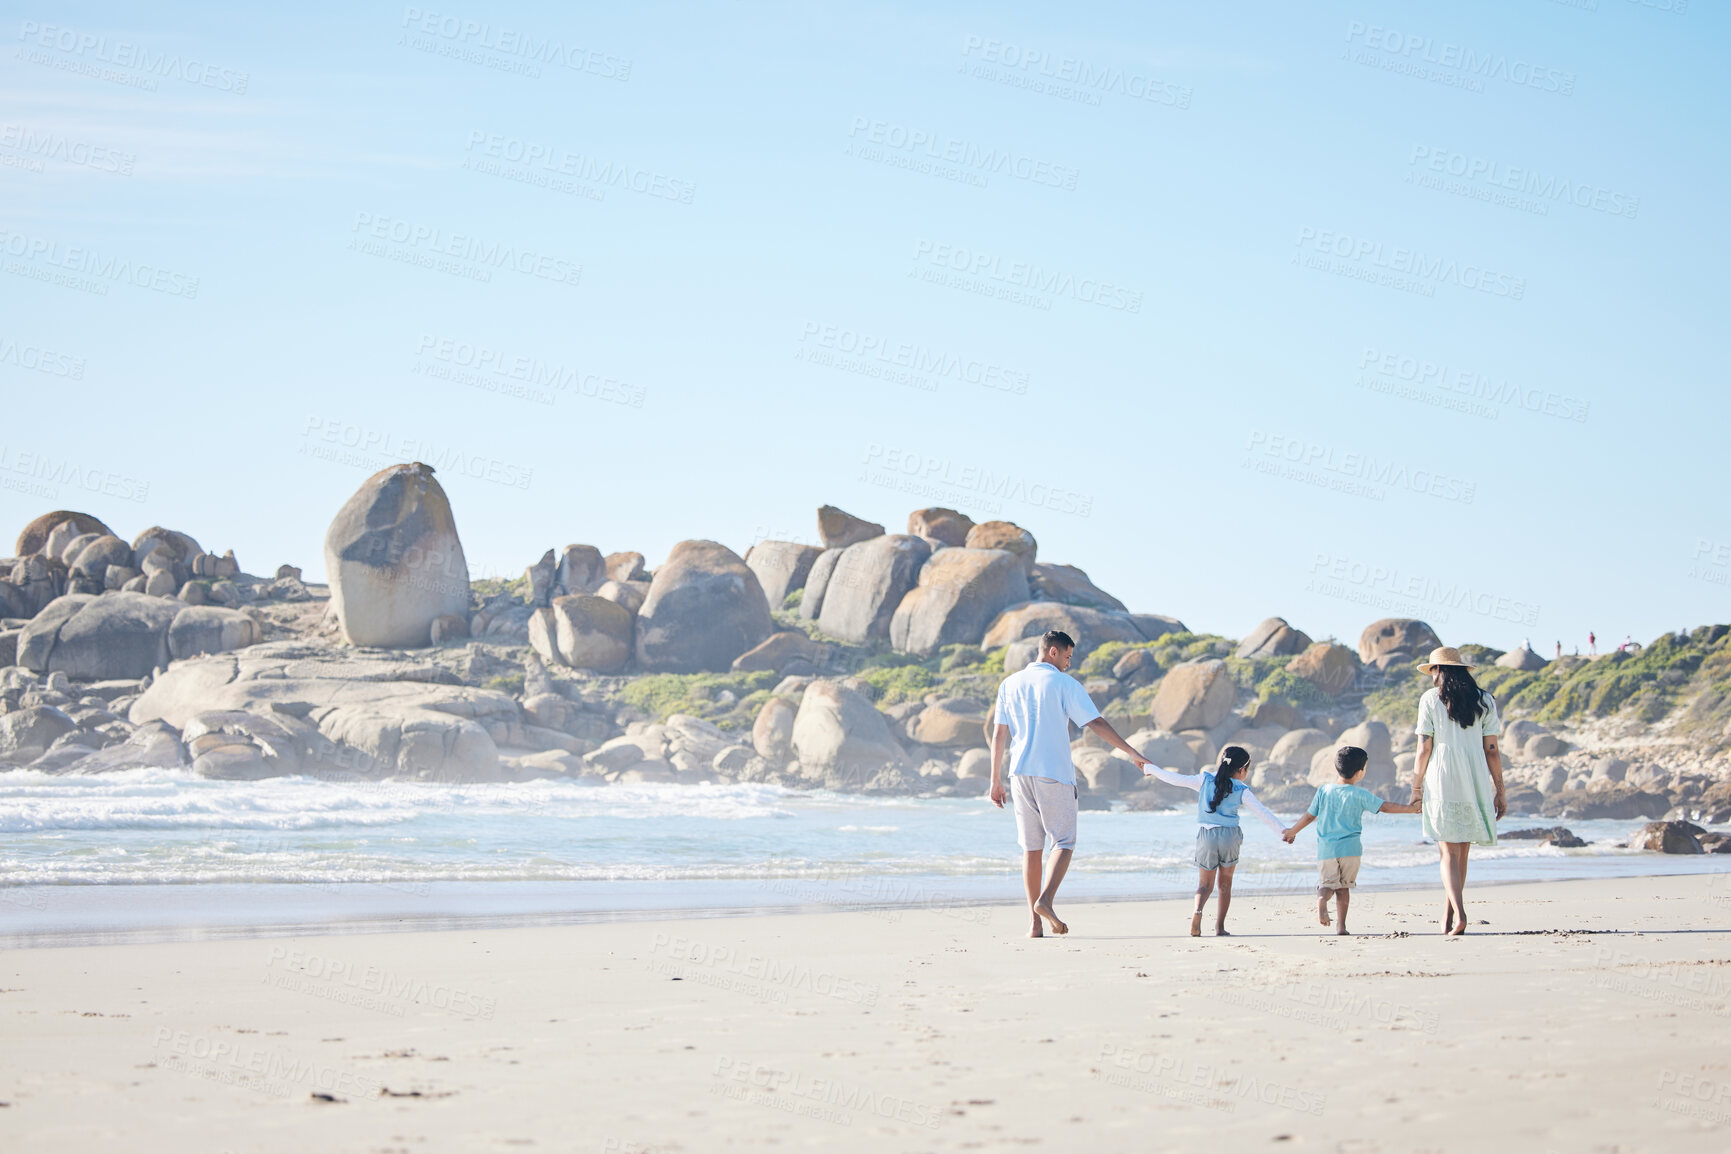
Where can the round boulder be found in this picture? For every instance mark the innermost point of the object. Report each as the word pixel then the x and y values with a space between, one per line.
pixel 1008 536
pixel 781 567
pixel 945 525
pixel 838 528
pixel 1331 668
pixel 705 607
pixel 34 538
pixel 1273 638
pixel 591 632
pixel 1194 695
pixel 868 583
pixel 394 559
pixel 840 734
pixel 1072 586
pixel 960 591
pixel 1407 634
pixel 1523 659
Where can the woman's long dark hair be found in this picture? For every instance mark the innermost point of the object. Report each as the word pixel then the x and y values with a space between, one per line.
pixel 1232 759
pixel 1461 695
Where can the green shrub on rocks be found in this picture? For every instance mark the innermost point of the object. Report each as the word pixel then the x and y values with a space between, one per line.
pixel 661 695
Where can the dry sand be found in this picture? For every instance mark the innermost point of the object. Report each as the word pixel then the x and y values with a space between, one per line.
pixel 1585 1016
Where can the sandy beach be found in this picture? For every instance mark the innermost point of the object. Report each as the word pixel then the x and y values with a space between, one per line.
pixel 1577 1016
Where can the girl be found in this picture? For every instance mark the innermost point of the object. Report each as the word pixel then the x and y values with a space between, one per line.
pixel 1219 796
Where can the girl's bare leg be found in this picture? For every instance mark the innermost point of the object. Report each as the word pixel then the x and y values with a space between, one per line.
pixel 1225 902
pixel 1204 887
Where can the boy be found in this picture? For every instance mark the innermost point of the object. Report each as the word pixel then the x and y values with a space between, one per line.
pixel 1339 813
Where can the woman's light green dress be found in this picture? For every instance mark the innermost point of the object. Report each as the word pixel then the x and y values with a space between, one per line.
pixel 1459 796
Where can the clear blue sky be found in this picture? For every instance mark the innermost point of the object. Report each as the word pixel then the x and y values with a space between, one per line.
pixel 1324 310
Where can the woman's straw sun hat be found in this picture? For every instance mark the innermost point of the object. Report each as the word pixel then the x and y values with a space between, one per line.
pixel 1444 655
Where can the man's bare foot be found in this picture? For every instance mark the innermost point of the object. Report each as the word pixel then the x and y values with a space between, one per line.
pixel 1220 932
pixel 1322 912
pixel 1196 924
pixel 1045 911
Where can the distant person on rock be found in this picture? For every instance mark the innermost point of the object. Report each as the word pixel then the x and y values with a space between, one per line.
pixel 1459 775
pixel 1031 730
pixel 1592 644
pixel 1559 650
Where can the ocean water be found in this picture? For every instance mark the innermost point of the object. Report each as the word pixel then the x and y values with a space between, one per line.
pixel 149 847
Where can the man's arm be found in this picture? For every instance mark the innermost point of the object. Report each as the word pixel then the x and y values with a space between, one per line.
pixel 1000 746
pixel 1104 731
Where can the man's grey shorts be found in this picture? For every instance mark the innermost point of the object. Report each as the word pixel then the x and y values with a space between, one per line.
pixel 1045 809
pixel 1217 846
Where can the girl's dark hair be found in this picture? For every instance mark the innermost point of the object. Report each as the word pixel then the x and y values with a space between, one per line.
pixel 1461 696
pixel 1232 759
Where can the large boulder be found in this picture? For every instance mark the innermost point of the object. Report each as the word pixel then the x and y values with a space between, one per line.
pixel 581 569
pixel 838 528
pixel 772 731
pixel 1396 634
pixel 180 547
pixel 940 524
pixel 841 737
pixel 34 537
pixel 126 635
pixel 1088 628
pixel 817 583
pixel 1331 668
pixel 952 721
pixel 1295 750
pixel 94 559
pixel 1273 638
pixel 1008 536
pixel 1154 626
pixel 623 566
pixel 868 583
pixel 1167 750
pixel 1523 659
pixel 959 592
pixel 376 715
pixel 1372 737
pixel 394 560
pixel 705 607
pixel 781 567
pixel 26 734
pixel 1072 586
pixel 779 650
pixel 1194 695
pixel 591 632
pixel 1667 837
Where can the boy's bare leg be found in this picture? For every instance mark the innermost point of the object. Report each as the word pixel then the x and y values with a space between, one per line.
pixel 1204 887
pixel 1043 904
pixel 1322 893
pixel 1342 899
pixel 1225 902
pixel 1031 883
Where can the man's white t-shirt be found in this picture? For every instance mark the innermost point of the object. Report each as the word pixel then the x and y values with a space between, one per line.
pixel 1038 704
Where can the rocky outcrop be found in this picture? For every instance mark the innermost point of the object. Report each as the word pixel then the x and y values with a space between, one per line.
pixel 705 607
pixel 126 635
pixel 817 583
pixel 1089 628
pixel 1070 585
pixel 940 524
pixel 781 567
pixel 34 537
pixel 1194 695
pixel 1396 635
pixel 624 567
pixel 1523 659
pixel 394 559
pixel 838 529
pixel 1331 668
pixel 868 583
pixel 959 592
pixel 1668 837
pixel 1273 638
pixel 1008 536
pixel 840 737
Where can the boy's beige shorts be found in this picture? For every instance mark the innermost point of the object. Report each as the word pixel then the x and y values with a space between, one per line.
pixel 1337 873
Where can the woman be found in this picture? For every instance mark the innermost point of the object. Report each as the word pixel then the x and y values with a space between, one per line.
pixel 1458 728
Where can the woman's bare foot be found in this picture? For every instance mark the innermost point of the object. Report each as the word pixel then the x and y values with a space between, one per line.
pixel 1045 911
pixel 1196 924
pixel 1448 919
pixel 1221 932
pixel 1035 931
pixel 1342 932
pixel 1459 929
pixel 1322 911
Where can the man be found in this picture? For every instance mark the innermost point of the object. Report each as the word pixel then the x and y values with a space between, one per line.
pixel 1031 723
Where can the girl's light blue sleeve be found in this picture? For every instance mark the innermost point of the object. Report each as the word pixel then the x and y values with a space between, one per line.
pixel 1171 777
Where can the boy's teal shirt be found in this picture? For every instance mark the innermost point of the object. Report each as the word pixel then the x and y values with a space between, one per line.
pixel 1339 812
